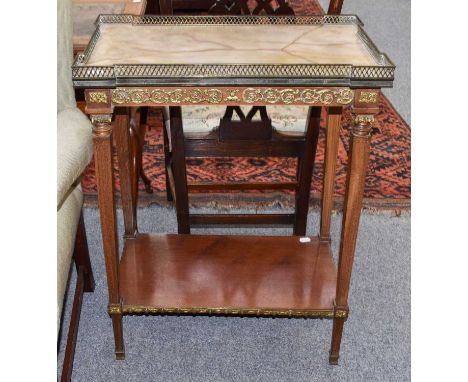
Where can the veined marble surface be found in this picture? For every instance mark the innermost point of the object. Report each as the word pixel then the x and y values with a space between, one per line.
pixel 228 44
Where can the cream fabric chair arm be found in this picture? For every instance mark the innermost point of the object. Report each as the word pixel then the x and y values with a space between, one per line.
pixel 68 216
pixel 74 148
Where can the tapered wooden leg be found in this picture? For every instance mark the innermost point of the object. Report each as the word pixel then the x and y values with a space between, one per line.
pixel 118 336
pixel 127 168
pixel 357 166
pixel 102 138
pixel 306 168
pixel 331 152
pixel 179 170
pixel 338 324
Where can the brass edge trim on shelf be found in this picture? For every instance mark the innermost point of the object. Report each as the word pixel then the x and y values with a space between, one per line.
pixel 307 96
pixel 225 311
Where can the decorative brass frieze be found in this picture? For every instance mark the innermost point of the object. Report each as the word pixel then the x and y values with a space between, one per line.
pixel 181 96
pixel 363 125
pixel 368 97
pixel 289 96
pixel 232 95
pixel 229 311
pixel 161 96
pixel 97 97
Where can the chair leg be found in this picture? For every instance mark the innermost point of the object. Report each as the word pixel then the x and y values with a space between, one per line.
pixel 167 161
pixel 140 132
pixel 73 328
pixel 305 170
pixel 179 170
pixel 81 256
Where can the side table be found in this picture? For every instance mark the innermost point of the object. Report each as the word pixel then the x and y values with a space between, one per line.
pixel 230 60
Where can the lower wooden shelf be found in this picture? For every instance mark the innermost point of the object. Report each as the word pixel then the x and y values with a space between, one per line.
pixel 227 275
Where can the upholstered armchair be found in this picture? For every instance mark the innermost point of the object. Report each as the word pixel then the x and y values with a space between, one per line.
pixel 74 152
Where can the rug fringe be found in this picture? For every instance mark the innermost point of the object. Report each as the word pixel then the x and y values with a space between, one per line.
pixel 258 203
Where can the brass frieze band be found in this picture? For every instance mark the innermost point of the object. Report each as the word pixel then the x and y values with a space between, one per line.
pixel 368 97
pixel 101 125
pixel 162 96
pixel 264 96
pixel 291 96
pixel 302 313
pixel 97 97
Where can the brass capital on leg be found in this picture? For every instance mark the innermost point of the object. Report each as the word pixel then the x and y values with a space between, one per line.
pixel 362 127
pixel 101 125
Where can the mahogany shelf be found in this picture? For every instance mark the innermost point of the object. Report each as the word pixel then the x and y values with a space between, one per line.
pixel 234 275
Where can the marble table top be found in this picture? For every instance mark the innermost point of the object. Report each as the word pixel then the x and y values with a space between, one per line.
pixel 244 44
pixel 233 46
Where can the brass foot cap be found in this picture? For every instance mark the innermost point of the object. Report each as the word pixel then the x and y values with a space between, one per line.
pixel 333 360
pixel 119 356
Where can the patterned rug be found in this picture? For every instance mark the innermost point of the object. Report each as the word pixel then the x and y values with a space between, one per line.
pixel 388 181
